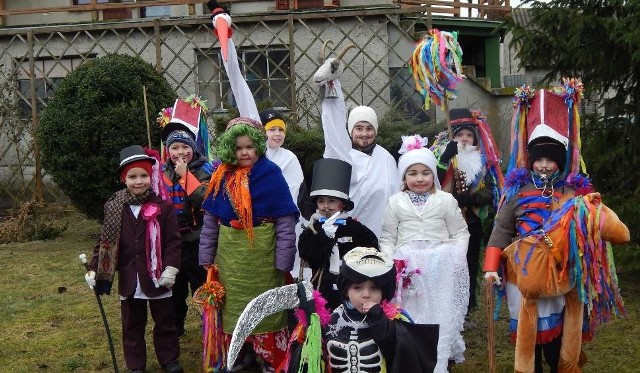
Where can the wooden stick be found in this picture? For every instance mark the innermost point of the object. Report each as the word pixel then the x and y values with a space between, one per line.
pixel 146 114
pixel 445 106
pixel 491 341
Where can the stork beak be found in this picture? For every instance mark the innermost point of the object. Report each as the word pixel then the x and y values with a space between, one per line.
pixel 222 30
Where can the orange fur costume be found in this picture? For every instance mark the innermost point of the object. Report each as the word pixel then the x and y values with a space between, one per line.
pixel 570 256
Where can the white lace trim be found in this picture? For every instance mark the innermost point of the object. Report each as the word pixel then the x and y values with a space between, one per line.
pixel 440 294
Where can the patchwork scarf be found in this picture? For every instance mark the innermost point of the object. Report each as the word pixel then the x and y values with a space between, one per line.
pixel 110 234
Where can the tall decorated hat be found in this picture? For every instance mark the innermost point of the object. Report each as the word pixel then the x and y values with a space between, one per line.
pixel 546 123
pixel 332 177
pixel 186 118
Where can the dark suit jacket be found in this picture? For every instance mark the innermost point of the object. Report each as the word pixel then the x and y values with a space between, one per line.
pixel 132 250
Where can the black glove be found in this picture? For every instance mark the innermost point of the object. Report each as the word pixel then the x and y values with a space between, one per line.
pixel 449 152
pixel 467 199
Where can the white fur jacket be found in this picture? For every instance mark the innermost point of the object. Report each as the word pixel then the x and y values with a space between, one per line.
pixel 440 219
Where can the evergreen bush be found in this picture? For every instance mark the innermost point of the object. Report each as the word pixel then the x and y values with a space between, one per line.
pixel 96 111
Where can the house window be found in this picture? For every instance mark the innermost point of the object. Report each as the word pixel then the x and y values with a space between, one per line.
pixel 48 73
pixel 155 11
pixel 83 2
pixel 265 71
pixel 307 4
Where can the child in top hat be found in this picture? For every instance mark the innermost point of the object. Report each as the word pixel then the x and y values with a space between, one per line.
pixel 140 240
pixel 331 233
pixel 542 183
pixel 187 171
pixel 366 332
pixel 424 232
pixel 469 169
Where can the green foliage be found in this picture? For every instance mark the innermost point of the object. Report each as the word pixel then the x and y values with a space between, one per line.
pixel 600 43
pixel 96 111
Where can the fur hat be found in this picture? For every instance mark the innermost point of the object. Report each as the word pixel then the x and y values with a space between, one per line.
pixel 413 151
pixel 362 114
pixel 462 119
pixel 547 147
pixel 272 118
pixel 367 263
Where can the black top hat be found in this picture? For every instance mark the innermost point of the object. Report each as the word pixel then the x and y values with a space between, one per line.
pixel 132 154
pixel 461 118
pixel 332 177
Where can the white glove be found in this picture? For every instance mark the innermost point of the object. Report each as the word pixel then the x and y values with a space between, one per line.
pixel 334 260
pixel 493 275
pixel 90 278
pixel 168 277
pixel 328 226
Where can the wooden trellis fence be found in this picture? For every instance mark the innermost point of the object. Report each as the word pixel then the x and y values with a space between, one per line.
pixel 278 53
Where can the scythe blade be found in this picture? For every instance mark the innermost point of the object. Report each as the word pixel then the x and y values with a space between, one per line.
pixel 266 304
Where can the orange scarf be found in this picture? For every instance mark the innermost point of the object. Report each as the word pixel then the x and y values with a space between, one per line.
pixel 237 189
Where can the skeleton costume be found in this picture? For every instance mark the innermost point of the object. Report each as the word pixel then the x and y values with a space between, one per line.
pixel 356 342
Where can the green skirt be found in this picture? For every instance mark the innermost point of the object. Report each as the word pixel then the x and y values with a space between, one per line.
pixel 247 272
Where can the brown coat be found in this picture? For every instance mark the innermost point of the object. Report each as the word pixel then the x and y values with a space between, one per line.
pixel 132 263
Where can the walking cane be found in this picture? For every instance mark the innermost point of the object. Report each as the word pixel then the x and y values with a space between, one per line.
pixel 490 325
pixel 83 259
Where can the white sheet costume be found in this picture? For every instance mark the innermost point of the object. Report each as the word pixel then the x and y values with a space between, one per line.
pixel 290 166
pixel 374 178
pixel 434 287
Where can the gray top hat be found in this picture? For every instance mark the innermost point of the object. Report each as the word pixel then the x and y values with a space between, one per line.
pixel 133 153
pixel 332 177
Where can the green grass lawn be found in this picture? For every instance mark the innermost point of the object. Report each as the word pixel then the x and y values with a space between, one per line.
pixel 50 320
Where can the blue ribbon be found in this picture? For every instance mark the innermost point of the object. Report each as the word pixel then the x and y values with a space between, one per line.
pixel 337 222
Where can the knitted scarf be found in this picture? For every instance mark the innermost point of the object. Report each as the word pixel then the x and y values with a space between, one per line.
pixel 110 234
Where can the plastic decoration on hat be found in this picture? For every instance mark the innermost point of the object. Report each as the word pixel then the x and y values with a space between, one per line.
pixel 436 65
pixel 209 298
pixel 530 104
pixel 412 142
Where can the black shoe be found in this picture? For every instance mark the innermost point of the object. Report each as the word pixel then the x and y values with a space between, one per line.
pixel 173 368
